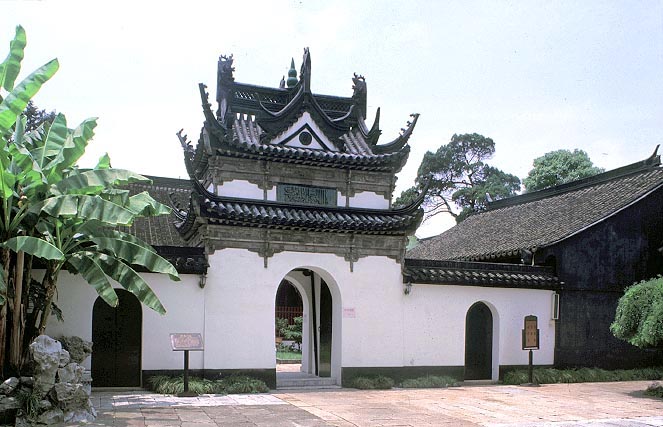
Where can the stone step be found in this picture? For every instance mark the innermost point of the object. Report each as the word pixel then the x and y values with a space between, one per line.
pixel 310 382
pixel 322 387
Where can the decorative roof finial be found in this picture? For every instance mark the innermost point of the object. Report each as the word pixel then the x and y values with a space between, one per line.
pixel 292 74
pixel 305 72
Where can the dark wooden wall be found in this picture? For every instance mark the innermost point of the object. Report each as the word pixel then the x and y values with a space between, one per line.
pixel 595 266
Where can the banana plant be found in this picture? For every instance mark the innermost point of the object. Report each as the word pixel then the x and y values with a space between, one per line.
pixel 66 217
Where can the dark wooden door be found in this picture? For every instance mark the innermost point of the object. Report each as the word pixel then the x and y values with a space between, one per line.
pixel 116 337
pixel 324 369
pixel 478 343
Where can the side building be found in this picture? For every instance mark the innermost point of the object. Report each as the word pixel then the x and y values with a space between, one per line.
pixel 598 235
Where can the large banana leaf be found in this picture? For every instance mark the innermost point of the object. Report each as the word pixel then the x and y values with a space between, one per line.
pixel 142 204
pixel 117 196
pixel 131 281
pixel 96 180
pixel 88 266
pixel 18 98
pixel 136 255
pixel 74 147
pixel 52 144
pixel 7 178
pixel 30 175
pixel 33 246
pixel 11 66
pixel 84 207
pixel 94 228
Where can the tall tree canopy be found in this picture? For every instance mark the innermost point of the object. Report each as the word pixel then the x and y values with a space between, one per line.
pixel 559 167
pixel 459 181
pixel 639 317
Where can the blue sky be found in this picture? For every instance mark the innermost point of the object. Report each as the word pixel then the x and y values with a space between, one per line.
pixel 534 76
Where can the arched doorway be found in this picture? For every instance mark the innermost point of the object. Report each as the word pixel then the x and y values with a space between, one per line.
pixel 289 326
pixel 321 327
pixel 478 342
pixel 116 336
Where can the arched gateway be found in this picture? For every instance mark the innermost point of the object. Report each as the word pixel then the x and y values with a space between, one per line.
pixel 296 179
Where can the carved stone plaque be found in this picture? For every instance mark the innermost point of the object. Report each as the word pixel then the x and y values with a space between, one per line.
pixel 190 342
pixel 305 195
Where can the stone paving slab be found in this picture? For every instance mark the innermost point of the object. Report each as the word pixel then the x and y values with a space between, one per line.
pixel 556 405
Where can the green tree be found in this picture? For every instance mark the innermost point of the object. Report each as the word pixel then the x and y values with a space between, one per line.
pixel 36 117
pixel 559 167
pixel 639 316
pixel 61 216
pixel 459 179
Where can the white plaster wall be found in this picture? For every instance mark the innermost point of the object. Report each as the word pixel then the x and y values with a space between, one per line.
pixel 239 188
pixel 185 313
pixel 366 199
pixel 434 320
pixel 374 323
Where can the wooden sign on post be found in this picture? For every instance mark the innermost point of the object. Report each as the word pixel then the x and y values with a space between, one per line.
pixel 530 342
pixel 530 334
pixel 186 343
pixel 183 342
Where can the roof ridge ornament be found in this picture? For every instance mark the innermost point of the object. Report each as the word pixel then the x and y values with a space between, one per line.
pixel 305 72
pixel 292 75
pixel 226 68
pixel 359 94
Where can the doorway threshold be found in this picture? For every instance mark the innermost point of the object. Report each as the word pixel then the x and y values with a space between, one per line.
pixel 477 382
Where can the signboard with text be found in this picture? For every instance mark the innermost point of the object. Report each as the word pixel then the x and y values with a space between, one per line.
pixel 530 334
pixel 186 342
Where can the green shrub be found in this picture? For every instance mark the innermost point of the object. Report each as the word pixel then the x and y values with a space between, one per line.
pixel 236 384
pixel 288 355
pixel 655 389
pixel 552 376
pixel 430 381
pixel 379 382
pixel 164 384
pixel 29 400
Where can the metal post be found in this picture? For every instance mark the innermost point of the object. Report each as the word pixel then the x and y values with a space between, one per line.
pixel 186 369
pixel 186 392
pixel 530 369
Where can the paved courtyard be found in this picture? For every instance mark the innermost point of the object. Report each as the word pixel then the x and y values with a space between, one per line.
pixel 558 405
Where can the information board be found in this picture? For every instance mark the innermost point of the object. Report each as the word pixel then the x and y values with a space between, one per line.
pixel 186 342
pixel 531 334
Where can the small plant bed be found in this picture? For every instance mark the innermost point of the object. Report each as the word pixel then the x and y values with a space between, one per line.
pixel 430 381
pixel 372 383
pixel 553 376
pixel 238 384
pixel 289 355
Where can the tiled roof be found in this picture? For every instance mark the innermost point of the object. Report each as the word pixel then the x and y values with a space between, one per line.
pixel 252 213
pixel 543 218
pixel 251 119
pixel 159 230
pixel 356 152
pixel 479 274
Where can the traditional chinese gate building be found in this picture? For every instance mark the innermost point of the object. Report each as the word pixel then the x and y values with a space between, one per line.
pixel 289 185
